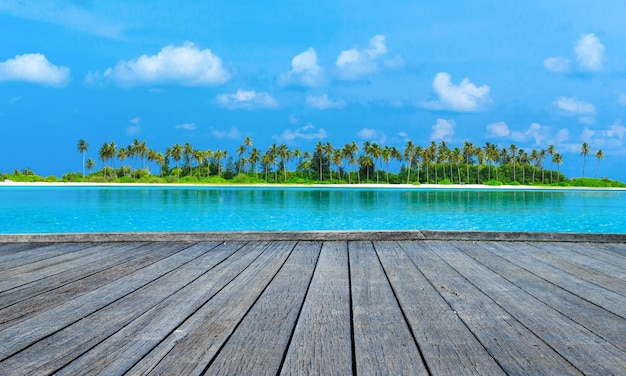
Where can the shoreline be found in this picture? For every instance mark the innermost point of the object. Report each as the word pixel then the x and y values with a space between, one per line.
pixel 323 186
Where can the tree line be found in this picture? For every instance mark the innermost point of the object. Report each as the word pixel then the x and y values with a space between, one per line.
pixel 352 163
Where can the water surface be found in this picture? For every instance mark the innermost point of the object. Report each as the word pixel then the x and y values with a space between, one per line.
pixel 128 209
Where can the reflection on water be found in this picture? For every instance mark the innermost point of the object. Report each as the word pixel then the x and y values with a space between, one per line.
pixel 76 209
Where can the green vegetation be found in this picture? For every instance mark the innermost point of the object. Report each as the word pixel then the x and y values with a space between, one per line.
pixel 326 164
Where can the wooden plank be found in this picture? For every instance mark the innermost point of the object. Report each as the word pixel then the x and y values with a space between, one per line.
pixel 45 294
pixel 13 260
pixel 189 349
pixel 596 319
pixel 582 348
pixel 9 248
pixel 588 256
pixel 23 274
pixel 69 343
pixel 259 343
pixel 601 252
pixel 618 249
pixel 17 337
pixel 518 253
pixel 321 343
pixel 383 343
pixel 570 262
pixel 121 351
pixel 513 346
pixel 448 346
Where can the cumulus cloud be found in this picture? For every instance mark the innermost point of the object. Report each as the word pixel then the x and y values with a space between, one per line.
pixel 611 137
pixel 185 65
pixel 323 103
pixel 35 69
pixel 442 130
pixel 373 135
pixel 307 132
pixel 534 132
pixel 465 97
pixel 589 53
pixel 304 70
pixel 231 134
pixel 499 129
pixel 134 128
pixel 186 126
pixel 353 64
pixel 574 107
pixel 246 100
pixel 557 64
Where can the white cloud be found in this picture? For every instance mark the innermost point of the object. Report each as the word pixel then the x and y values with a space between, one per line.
pixel 561 136
pixel 36 69
pixel 499 129
pixel 589 53
pixel 616 130
pixel 304 70
pixel 557 64
pixel 305 133
pixel 231 134
pixel 465 97
pixel 134 128
pixel 177 65
pixel 66 13
pixel 442 130
pixel 372 135
pixel 323 103
pixel 186 126
pixel 534 132
pixel 575 107
pixel 353 64
pixel 247 100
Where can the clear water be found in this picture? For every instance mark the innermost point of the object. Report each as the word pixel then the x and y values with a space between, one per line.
pixel 178 209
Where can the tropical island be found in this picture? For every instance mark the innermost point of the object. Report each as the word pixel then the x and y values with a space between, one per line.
pixel 326 164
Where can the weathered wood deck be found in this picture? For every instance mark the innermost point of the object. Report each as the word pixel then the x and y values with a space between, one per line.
pixel 313 307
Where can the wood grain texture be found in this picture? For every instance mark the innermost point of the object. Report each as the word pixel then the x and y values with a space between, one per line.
pixel 382 340
pixel 321 343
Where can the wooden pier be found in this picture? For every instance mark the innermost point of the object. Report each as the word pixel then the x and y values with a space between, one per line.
pixel 314 307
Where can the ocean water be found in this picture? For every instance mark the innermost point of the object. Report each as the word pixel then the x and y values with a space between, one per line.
pixel 60 209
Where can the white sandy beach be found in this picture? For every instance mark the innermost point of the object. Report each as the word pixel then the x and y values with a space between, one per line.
pixel 322 186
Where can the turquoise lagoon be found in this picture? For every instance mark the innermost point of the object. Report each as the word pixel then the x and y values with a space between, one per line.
pixel 67 209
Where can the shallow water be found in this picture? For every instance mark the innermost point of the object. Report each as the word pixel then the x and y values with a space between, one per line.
pixel 129 209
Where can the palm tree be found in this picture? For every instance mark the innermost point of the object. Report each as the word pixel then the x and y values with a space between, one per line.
pixel 348 154
pixel 284 154
pixel 89 164
pixel 319 150
pixel 584 151
pixel 376 153
pixel 542 158
pixel 82 147
pixel 199 156
pixel 480 155
pixel 396 155
pixel 418 153
pixel 522 157
pixel 444 154
pixel 337 158
pixel 254 158
pixel 121 155
pixel 534 159
pixel 409 156
pixel 176 153
pixel 457 157
pixel 599 157
pixel 103 153
pixel 558 159
pixel 468 152
pixel 327 152
pixel 188 153
pixel 513 157
pixel 551 154
pixel 386 155
pixel 272 153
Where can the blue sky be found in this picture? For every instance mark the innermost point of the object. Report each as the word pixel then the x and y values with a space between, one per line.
pixel 529 73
